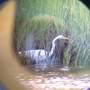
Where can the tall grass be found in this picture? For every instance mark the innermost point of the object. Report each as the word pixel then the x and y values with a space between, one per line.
pixel 37 16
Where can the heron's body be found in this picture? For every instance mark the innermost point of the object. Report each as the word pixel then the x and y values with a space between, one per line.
pixel 37 55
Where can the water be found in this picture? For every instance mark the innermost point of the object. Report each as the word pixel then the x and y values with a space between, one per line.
pixel 56 78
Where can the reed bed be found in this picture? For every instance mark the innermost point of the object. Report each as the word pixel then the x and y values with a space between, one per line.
pixel 47 18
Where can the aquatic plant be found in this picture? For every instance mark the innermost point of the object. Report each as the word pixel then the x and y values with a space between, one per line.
pixel 48 18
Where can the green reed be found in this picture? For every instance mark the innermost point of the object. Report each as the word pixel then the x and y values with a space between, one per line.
pixel 61 13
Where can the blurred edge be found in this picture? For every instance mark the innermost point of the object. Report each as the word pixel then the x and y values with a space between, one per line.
pixel 2 2
pixel 9 67
pixel 86 2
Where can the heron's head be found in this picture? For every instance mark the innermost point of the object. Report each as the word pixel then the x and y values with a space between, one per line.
pixel 60 37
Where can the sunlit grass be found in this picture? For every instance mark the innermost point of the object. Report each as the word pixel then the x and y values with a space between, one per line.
pixel 48 18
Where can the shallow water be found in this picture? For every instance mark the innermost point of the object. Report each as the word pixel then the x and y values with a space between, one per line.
pixel 56 78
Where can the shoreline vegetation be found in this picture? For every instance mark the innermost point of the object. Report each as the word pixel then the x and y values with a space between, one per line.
pixel 38 23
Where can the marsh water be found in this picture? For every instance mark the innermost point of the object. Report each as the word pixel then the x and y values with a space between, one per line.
pixel 56 78
pixel 50 75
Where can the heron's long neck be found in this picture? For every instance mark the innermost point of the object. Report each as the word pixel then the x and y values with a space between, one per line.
pixel 52 49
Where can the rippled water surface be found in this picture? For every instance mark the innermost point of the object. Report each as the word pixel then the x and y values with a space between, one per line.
pixel 56 78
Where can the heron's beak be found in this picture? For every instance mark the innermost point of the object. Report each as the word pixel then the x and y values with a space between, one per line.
pixel 66 38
